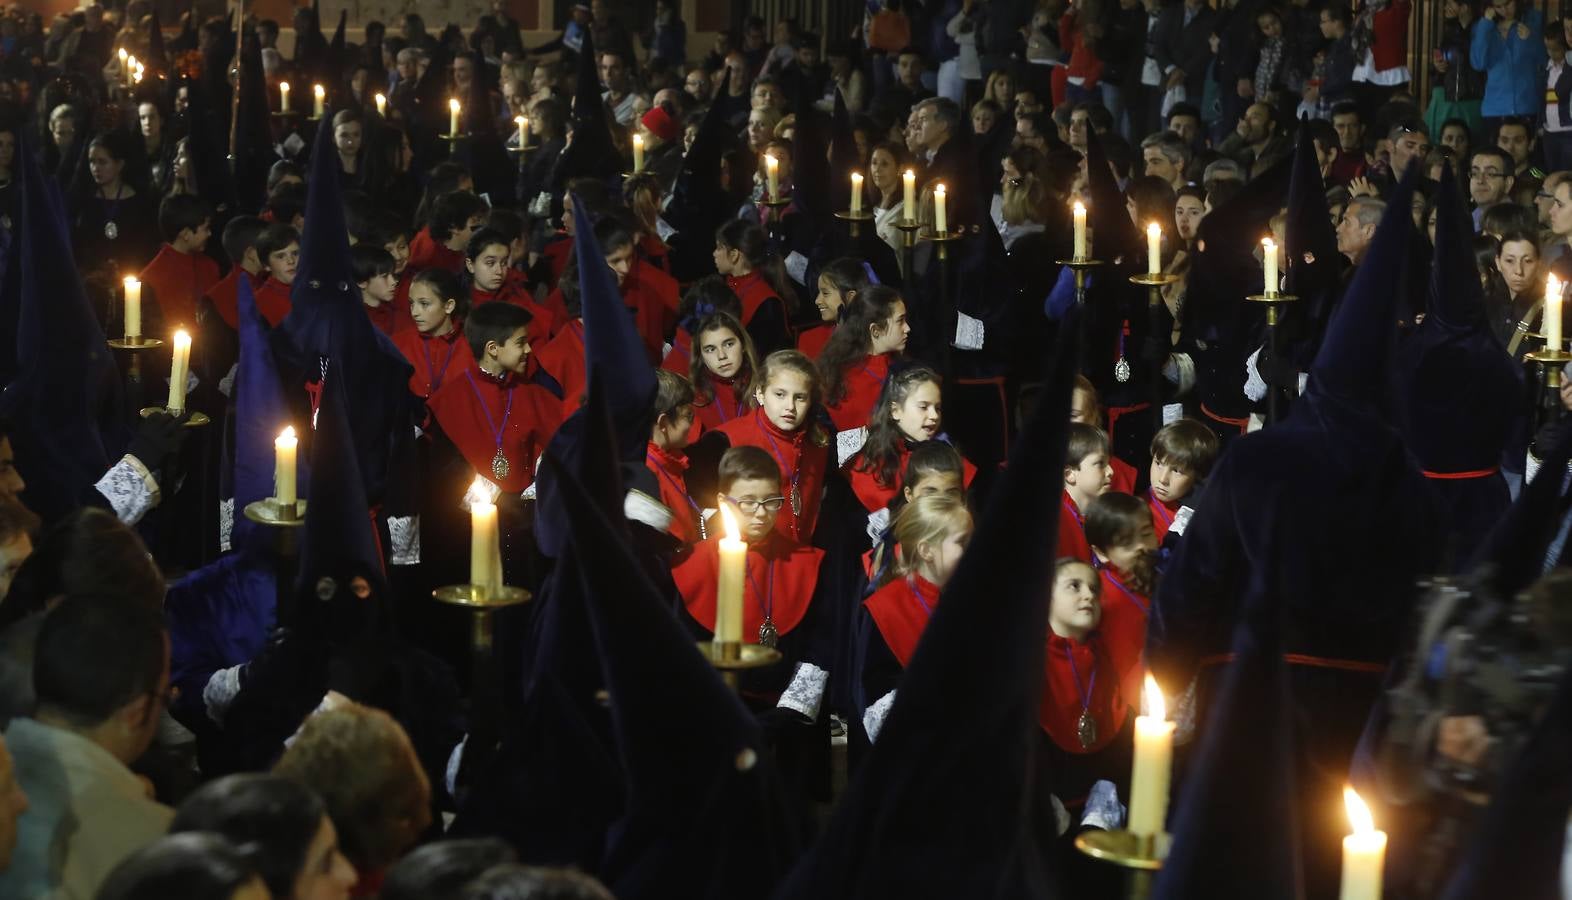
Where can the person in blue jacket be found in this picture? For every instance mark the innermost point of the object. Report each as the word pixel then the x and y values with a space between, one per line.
pixel 1507 45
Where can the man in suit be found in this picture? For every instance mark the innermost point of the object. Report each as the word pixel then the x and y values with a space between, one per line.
pixel 1184 33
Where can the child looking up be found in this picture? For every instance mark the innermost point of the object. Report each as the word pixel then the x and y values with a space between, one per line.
pixel 1087 476
pixel 908 414
pixel 856 359
pixel 373 267
pixel 665 456
pixel 435 346
pixel 1182 457
pixel 782 424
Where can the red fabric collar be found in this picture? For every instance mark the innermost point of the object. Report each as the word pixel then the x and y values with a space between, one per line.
pixel 900 615
pixel 1067 685
pixel 795 574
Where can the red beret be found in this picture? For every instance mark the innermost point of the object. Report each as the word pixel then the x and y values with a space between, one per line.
pixel 660 123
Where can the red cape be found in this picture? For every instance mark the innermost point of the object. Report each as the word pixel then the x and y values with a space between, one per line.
pixel 437 360
pixel 669 467
pixel 563 359
pixel 875 494
pixel 898 611
pixel 1124 629
pixel 469 408
pixel 273 301
pixel 1066 686
pixel 784 572
pixel 178 280
pixel 753 291
pixel 425 252
pixel 727 405
pixel 1072 534
pixel 803 456
pixel 864 380
pixel 226 297
pixel 811 340
pixel 1162 515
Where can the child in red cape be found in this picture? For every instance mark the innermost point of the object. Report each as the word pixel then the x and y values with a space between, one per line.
pixel 909 413
pixel 856 360
pixel 781 422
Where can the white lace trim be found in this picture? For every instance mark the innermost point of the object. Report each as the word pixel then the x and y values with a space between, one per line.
pixel 873 716
pixel 404 534
pixel 877 523
pixel 1181 520
pixel 848 442
pixel 1255 385
pixel 130 489
pixel 806 690
pixel 529 492
pixel 450 772
pixel 1172 412
pixel 1103 809
pixel 1180 369
pixel 797 267
pixel 638 506
pixel 220 691
pixel 226 524
pixel 969 332
pixel 226 385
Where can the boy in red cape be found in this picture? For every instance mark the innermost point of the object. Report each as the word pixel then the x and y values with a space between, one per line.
pixel 181 273
pixel 666 458
pixel 1087 476
pixel 278 249
pixel 239 240
pixel 1182 455
pixel 440 245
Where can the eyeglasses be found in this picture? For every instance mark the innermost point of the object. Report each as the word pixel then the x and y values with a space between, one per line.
pixel 1485 173
pixel 1015 182
pixel 749 507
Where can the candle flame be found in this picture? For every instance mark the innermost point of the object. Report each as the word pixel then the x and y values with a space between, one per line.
pixel 1153 230
pixel 1358 813
pixel 517 120
pixel 319 90
pixel 1079 207
pixel 638 139
pixel 1553 289
pixel 1268 244
pixel 730 523
pixel 182 338
pixel 453 105
pixel 938 190
pixel 909 174
pixel 477 494
pixel 288 434
pixel 283 87
pixel 381 99
pixel 122 54
pixel 856 178
pixel 132 281
pixel 771 161
pixel 1156 708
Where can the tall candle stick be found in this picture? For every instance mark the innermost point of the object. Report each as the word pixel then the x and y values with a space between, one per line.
pixel 136 77
pixel 772 177
pixel 1079 211
pixel 485 544
pixel 940 225
pixel 1364 852
pixel 856 194
pixel 1269 256
pixel 523 123
pixel 382 104
pixel 125 69
pixel 1154 249
pixel 1154 748
pixel 178 367
pixel 319 93
pixel 638 153
pixel 285 447
pixel 1552 323
pixel 728 594
pixel 283 96
pixel 131 65
pixel 453 117
pixel 909 209
pixel 133 314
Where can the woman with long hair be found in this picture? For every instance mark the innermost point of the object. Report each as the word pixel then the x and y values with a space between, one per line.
pixel 758 278
pixel 113 222
pixel 886 163
pixel 856 359
pixel 839 283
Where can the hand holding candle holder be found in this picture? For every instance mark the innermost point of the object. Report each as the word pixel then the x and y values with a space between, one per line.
pixel 1080 260
pixel 726 651
pixel 1143 845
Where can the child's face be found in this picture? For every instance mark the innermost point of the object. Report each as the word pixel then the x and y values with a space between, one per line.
pixel 673 429
pixel 281 264
pixel 721 351
pixel 489 267
pixel 1134 556
pixel 829 300
pixel 764 496
pixel 197 239
pixel 513 354
pixel 940 560
pixel 620 261
pixel 918 417
pixel 1083 407
pixel 1092 477
pixel 398 248
pixel 1170 483
pixel 379 288
pixel 427 309
pixel 785 399
pixel 1076 608
pixel 890 335
pixel 931 483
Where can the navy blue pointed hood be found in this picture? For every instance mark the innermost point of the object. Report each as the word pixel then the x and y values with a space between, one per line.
pixel 1513 555
pixel 812 177
pixel 698 205
pixel 205 148
pixel 261 412
pixel 254 153
pixel 337 44
pixel 1314 267
pixel 844 158
pixel 1457 299
pixel 592 153
pixel 937 810
pixel 157 58
pixel 65 373
pixel 1113 234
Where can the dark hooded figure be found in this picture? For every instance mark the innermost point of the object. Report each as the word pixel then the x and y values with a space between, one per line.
pixel 1354 525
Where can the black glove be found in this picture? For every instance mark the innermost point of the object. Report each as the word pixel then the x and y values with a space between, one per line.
pixel 779 719
pixel 1278 371
pixel 1155 349
pixel 158 439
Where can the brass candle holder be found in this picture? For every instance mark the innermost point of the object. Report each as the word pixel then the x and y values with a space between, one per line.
pixel 731 657
pixel 135 342
pixel 1082 266
pixel 941 240
pixel 483 602
pixel 1550 363
pixel 276 514
pixel 193 420
pixel 1140 854
pixel 1274 302
pixel 854 220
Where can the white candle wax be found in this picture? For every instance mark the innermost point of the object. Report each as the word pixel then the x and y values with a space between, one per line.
pixel 940 223
pixel 1154 747
pixel 133 314
pixel 1154 249
pixel 1364 852
pixel 179 365
pixel 285 447
pixel 909 209
pixel 856 193
pixel 728 593
pixel 1079 211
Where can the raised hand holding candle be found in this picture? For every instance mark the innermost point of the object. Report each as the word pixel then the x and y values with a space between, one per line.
pixel 179 366
pixel 772 177
pixel 1552 324
pixel 485 544
pixel 909 209
pixel 133 314
pixel 1154 249
pixel 1079 211
pixel 1364 852
pixel 940 225
pixel 856 194
pixel 283 96
pixel 728 593
pixel 382 104
pixel 1154 749
pixel 285 447
pixel 320 95
pixel 638 153
pixel 1269 256
pixel 453 117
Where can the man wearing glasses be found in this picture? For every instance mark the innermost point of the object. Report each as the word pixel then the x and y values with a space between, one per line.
pixel 1490 180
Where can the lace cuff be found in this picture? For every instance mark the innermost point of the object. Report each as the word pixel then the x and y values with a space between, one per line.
pixel 450 772
pixel 404 534
pixel 130 489
pixel 806 690
pixel 848 442
pixel 1103 809
pixel 226 524
pixel 878 522
pixel 220 691
pixel 1180 370
pixel 969 332
pixel 638 506
pixel 1255 385
pixel 873 718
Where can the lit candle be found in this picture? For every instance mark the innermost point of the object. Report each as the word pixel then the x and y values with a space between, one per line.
pixel 909 208
pixel 131 65
pixel 283 96
pixel 733 566
pixel 856 195
pixel 133 307
pixel 1269 256
pixel 136 77
pixel 1363 852
pixel 1080 230
pixel 485 544
pixel 522 124
pixel 1154 748
pixel 1154 249
pixel 382 105
pixel 638 153
pixel 284 448
pixel 940 226
pixel 125 68
pixel 178 367
pixel 453 117
pixel 1552 323
pixel 772 176
pixel 320 93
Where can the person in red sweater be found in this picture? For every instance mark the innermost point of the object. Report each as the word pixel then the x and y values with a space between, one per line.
pixel 278 248
pixel 908 414
pixel 1124 551
pixel 373 268
pixel 722 371
pixel 666 458
pixel 839 283
pixel 1182 456
pixel 856 360
pixel 781 422
pixel 436 346
pixel 1087 476
pixel 486 267
pixel 239 240
pixel 181 273
pixel 932 532
pixel 440 245
pixel 758 279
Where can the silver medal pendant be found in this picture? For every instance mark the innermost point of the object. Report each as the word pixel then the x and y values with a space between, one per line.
pixel 111 230
pixel 499 466
pixel 1086 730
pixel 704 533
pixel 768 636
pixel 1122 370
pixel 796 501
